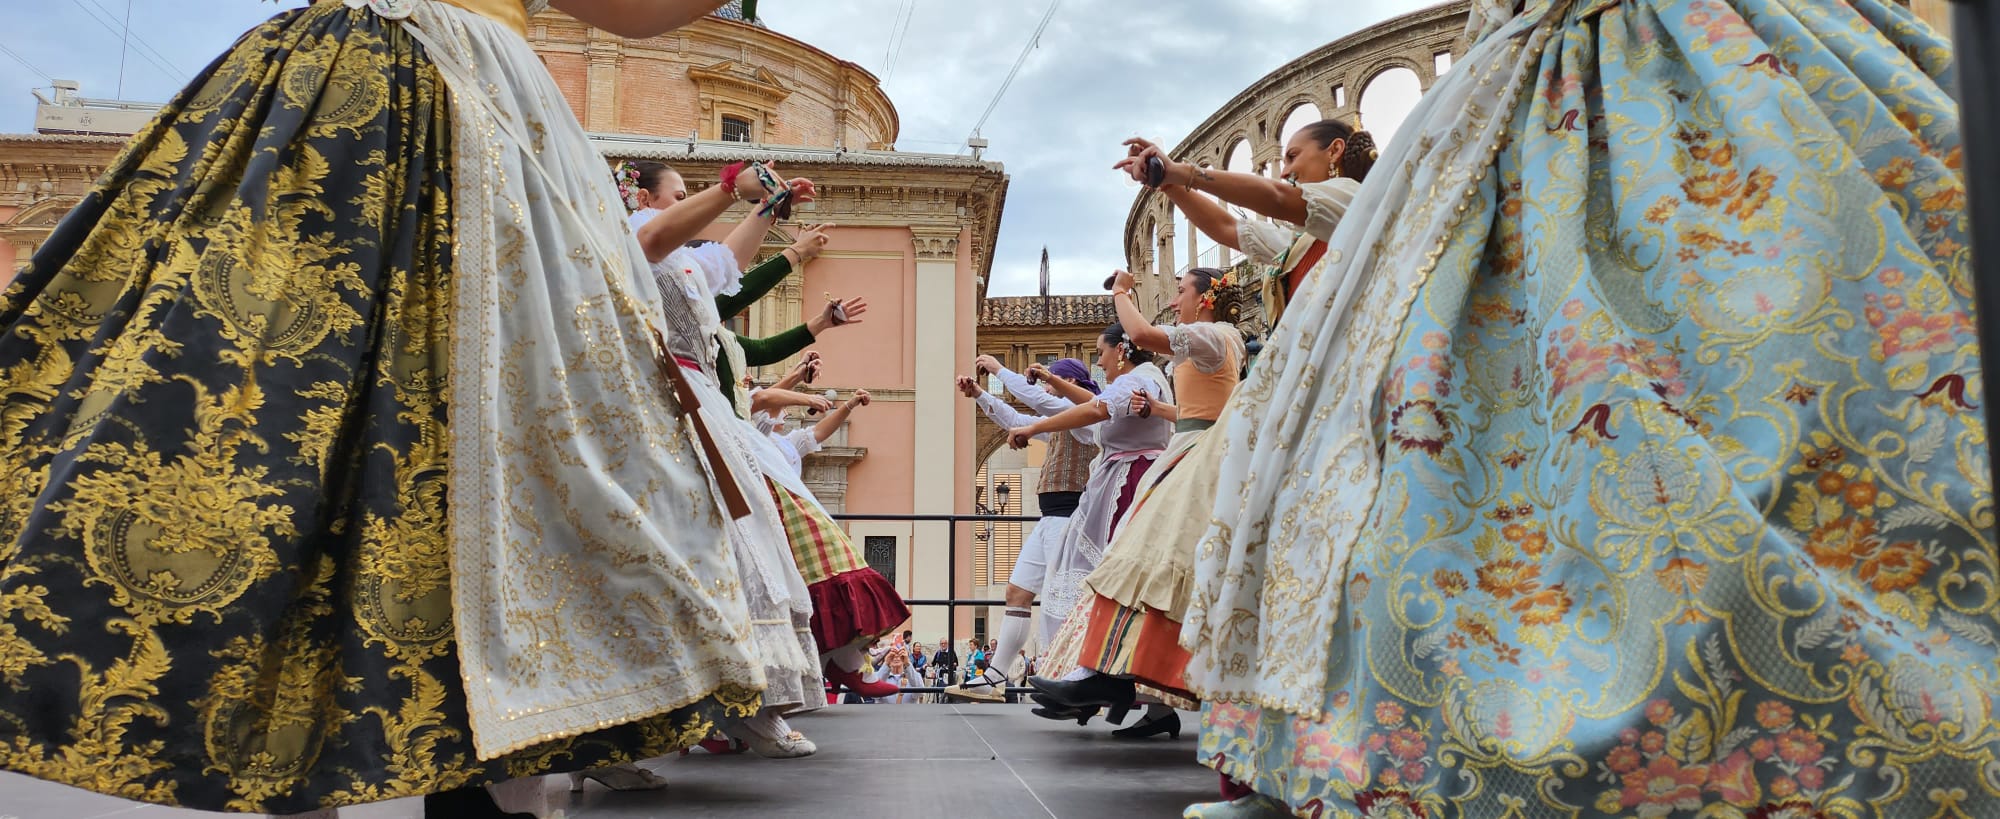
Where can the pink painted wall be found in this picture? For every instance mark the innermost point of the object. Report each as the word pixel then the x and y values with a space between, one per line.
pixel 880 353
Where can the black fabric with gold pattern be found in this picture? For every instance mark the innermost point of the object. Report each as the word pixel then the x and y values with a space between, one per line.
pixel 224 579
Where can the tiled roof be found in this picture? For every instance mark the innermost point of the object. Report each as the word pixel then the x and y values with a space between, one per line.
pixel 733 10
pixel 1050 311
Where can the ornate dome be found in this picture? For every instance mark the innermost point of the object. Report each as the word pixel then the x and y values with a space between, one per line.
pixel 733 10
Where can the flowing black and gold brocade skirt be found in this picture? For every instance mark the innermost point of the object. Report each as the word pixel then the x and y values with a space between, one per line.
pixel 224 574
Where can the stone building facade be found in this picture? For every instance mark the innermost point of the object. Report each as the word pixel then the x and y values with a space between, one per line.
pixel 1332 80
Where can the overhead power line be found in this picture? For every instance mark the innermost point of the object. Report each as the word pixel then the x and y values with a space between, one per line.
pixel 144 46
pixel 1032 42
pixel 24 62
pixel 900 39
pixel 146 54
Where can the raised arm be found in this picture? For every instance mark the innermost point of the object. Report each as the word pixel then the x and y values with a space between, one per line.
pixel 689 217
pixel 1066 390
pixel 758 352
pixel 1000 412
pixel 638 19
pixel 767 276
pixel 1213 220
pixel 773 399
pixel 1042 401
pixel 831 423
pixel 807 366
pixel 1137 328
pixel 1273 198
pixel 1077 417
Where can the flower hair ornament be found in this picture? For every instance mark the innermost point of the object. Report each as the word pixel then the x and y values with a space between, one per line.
pixel 1126 349
pixel 627 177
pixel 1215 286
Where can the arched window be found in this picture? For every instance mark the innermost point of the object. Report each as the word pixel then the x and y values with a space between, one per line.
pixel 1300 117
pixel 1387 100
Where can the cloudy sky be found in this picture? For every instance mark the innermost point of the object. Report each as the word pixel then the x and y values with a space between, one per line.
pixel 1105 70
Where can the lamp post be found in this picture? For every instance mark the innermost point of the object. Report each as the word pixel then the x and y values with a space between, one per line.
pixel 1000 493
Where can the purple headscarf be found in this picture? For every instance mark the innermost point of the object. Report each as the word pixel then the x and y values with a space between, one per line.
pixel 1076 372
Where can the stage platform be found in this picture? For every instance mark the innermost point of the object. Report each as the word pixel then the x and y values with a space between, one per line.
pixel 875 762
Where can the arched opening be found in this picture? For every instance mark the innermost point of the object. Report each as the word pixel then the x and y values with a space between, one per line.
pixel 1305 114
pixel 1237 159
pixel 1387 100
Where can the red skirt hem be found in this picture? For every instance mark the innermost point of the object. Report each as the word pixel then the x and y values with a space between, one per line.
pixel 854 606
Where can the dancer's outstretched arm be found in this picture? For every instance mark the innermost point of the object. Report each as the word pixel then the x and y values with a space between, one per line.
pixel 1271 197
pixel 1137 328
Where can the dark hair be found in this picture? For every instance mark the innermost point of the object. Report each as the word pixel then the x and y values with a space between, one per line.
pixel 1228 300
pixel 1357 157
pixel 637 175
pixel 1115 336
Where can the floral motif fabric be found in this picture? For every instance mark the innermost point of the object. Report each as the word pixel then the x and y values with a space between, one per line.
pixel 1682 506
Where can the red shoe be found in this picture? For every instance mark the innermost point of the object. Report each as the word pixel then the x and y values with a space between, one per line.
pixel 720 746
pixel 851 680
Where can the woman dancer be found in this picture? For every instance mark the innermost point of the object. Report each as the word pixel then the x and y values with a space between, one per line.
pixel 332 293
pixel 651 188
pixel 1136 598
pixel 780 604
pixel 1129 444
pixel 852 604
pixel 1324 165
pixel 1628 427
pixel 1065 474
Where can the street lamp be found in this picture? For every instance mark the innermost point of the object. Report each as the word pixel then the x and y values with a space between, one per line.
pixel 1000 493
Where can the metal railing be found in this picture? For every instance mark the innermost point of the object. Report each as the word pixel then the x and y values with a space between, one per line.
pixel 953 603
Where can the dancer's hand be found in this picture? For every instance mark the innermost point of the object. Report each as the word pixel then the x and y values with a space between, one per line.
pixel 808 368
pixel 1123 280
pixel 802 190
pixel 837 314
pixel 1038 373
pixel 1142 404
pixel 986 365
pixel 810 242
pixel 861 399
pixel 1019 437
pixel 1134 164
pixel 969 386
pixel 815 403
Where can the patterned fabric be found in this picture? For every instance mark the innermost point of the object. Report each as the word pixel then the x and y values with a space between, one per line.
pixel 224 576
pixel 851 602
pixel 1151 561
pixel 1137 642
pixel 819 546
pixel 1677 504
pixel 1071 645
pixel 1067 467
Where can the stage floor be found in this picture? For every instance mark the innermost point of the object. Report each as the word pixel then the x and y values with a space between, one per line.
pixel 875 761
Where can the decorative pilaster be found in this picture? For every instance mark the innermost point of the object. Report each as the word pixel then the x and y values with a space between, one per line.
pixel 602 57
pixel 936 245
